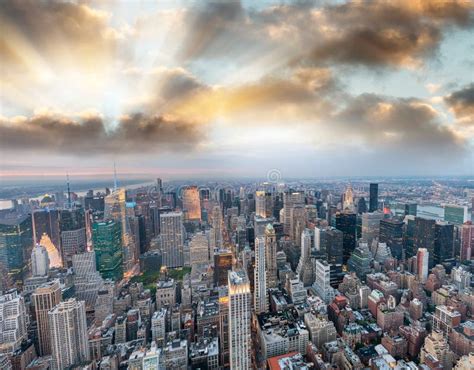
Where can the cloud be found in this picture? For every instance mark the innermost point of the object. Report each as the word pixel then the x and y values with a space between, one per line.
pixel 368 33
pixel 461 103
pixel 90 134
pixel 402 127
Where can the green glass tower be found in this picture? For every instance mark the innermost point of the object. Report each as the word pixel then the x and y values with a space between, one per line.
pixel 16 243
pixel 107 241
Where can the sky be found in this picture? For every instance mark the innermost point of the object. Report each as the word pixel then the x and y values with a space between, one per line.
pixel 228 89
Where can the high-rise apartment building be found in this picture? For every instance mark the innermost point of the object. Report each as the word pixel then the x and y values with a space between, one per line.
pixel 260 278
pixel 13 322
pixel 239 320
pixel 107 242
pixel 172 239
pixel 422 260
pixel 39 261
pixel 467 241
pixel 68 333
pixel 44 299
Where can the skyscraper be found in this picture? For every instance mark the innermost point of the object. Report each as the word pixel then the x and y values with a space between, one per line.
pixel 68 333
pixel 347 222
pixel 87 280
pixel 391 232
pixel 422 261
pixel 216 231
pixel 191 203
pixel 373 197
pixel 172 239
pixel 39 261
pixel 260 204
pixel 371 226
pixel 455 214
pixel 44 299
pixel 107 242
pixel 270 255
pixel 260 283
pixel 16 243
pixel 444 242
pixel 424 237
pixel 73 239
pixel 13 321
pixel 239 320
pixel 115 209
pixel 222 266
pixel 467 241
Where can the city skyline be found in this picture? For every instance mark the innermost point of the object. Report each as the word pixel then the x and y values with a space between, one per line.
pixel 229 89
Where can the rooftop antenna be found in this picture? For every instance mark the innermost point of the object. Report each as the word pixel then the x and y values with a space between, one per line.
pixel 115 178
pixel 68 191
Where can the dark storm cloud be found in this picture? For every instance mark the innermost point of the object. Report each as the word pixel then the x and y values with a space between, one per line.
pixel 91 135
pixel 461 102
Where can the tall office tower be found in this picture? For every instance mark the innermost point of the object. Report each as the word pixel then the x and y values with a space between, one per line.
pixel 107 242
pixel 172 239
pixel 290 199
pixel 360 260
pixel 409 235
pixel 199 250
pixel 39 261
pixel 361 206
pixel 46 222
pixel 159 192
pixel 297 223
pixel 260 282
pixel 444 242
pixel 455 214
pixel 305 250
pixel 240 300
pixel 322 284
pixel 373 197
pixel 44 299
pixel 15 243
pixel 331 244
pixel 216 231
pixel 192 203
pixel 68 328
pixel 422 262
pixel 260 204
pixel 348 199
pixel 425 237
pixel 222 266
pixel 467 241
pixel 87 280
pixel 270 255
pixel 371 226
pixel 224 326
pixel 13 322
pixel 391 232
pixel 72 225
pixel 347 223
pixel 116 209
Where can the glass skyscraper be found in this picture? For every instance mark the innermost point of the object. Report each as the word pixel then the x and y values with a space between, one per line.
pixel 107 242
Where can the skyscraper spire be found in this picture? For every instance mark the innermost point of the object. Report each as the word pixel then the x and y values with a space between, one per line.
pixel 115 178
pixel 68 191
